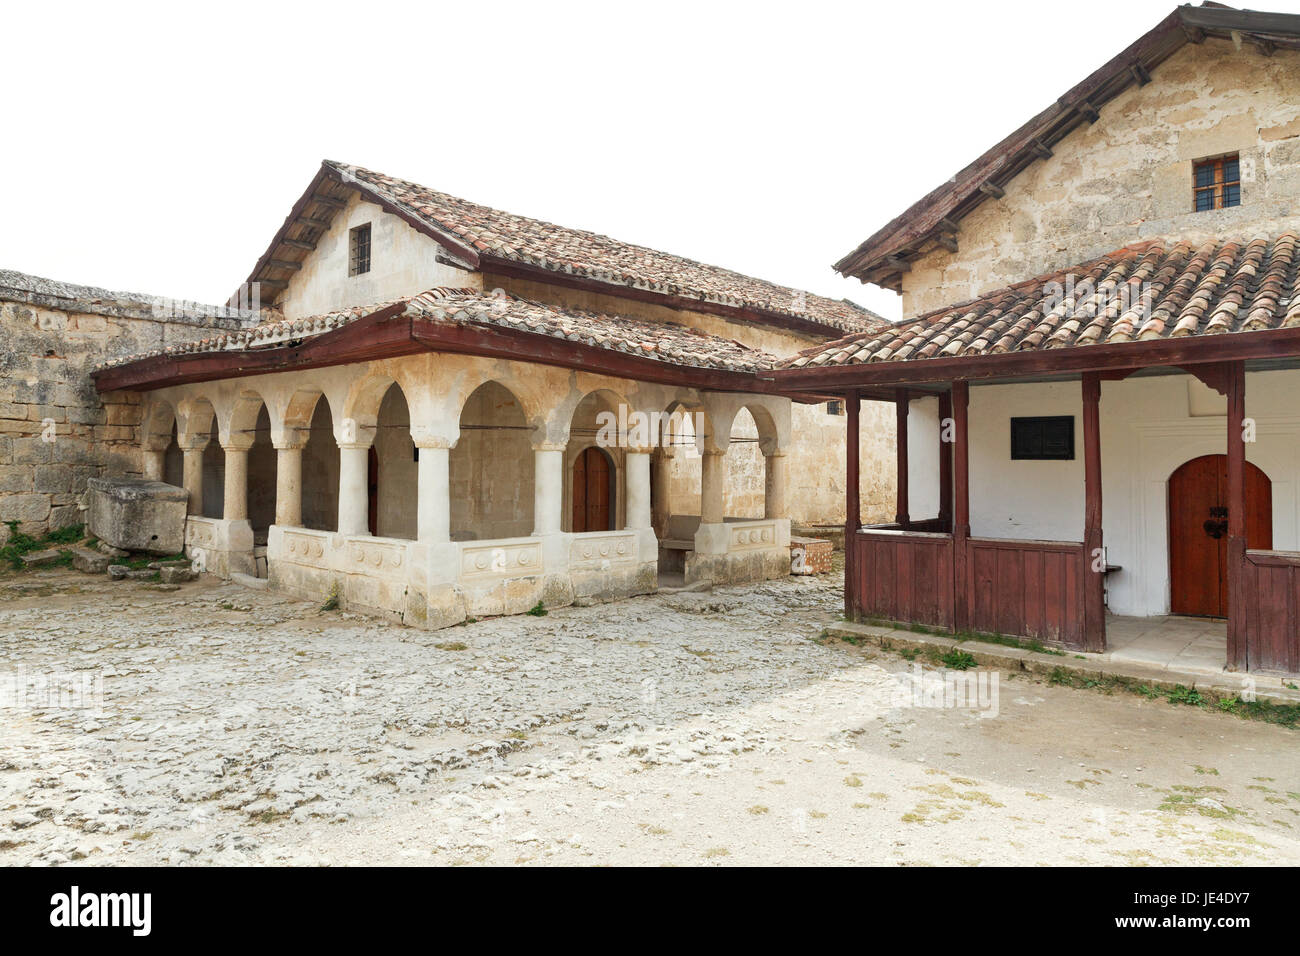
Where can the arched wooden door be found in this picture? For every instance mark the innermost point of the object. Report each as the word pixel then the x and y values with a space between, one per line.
pixel 1198 532
pixel 593 492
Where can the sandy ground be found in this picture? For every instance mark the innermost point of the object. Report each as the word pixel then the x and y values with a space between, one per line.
pixel 238 727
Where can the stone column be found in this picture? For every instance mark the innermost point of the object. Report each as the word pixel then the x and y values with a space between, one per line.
pixel 713 479
pixel 192 474
pixel 354 492
pixel 663 480
pixel 774 477
pixel 153 464
pixel 235 506
pixel 548 488
pixel 637 479
pixel 433 508
pixel 288 482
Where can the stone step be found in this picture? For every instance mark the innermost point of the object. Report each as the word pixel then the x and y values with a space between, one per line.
pixel 41 559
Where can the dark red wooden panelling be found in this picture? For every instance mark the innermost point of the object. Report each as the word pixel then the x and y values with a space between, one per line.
pixel 903 577
pixel 1022 588
pixel 1028 589
pixel 1271 582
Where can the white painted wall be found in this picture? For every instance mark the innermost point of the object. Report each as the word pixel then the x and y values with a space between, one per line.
pixel 402 263
pixel 1149 426
pixel 922 458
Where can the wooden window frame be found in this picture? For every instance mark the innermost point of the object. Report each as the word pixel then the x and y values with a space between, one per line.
pixel 1218 186
pixel 359 249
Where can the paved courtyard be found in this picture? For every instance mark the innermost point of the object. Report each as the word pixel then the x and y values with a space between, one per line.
pixel 239 727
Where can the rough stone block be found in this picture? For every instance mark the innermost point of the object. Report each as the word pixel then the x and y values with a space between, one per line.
pixel 90 562
pixel 138 515
pixel 175 575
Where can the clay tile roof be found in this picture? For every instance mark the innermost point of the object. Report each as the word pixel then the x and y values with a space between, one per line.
pixel 659 341
pixel 1146 291
pixel 576 252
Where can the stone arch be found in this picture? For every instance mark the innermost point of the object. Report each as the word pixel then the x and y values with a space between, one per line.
pixel 531 406
pixel 361 408
pixel 299 408
pixel 195 417
pixel 598 420
pixel 491 466
pixel 320 461
pixel 241 418
pixel 744 495
pixel 394 477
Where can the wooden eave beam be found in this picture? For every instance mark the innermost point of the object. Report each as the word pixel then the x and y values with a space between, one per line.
pixel 1262 44
pixel 390 333
pixel 1237 346
pixel 314 223
pixel 947 241
pixel 300 244
pixel 284 264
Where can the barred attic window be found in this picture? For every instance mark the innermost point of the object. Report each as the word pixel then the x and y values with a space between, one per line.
pixel 359 250
pixel 1216 183
pixel 835 408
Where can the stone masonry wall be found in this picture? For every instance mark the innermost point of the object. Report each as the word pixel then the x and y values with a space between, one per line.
pixel 1128 177
pixel 56 431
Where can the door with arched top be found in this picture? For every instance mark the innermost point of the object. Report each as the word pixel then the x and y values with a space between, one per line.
pixel 593 491
pixel 1198 532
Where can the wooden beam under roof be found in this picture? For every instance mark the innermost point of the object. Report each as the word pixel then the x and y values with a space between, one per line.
pixel 300 244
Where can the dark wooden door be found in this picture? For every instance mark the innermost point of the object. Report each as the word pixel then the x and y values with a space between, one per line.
pixel 592 498
pixel 1198 532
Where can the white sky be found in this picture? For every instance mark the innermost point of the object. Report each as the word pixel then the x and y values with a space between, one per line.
pixel 157 149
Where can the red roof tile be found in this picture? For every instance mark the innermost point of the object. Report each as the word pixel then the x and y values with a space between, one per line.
pixel 590 255
pixel 661 341
pixel 1139 293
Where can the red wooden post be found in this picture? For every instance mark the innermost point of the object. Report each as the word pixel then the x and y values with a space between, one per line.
pixel 902 402
pixel 963 597
pixel 852 504
pixel 945 463
pixel 1238 651
pixel 1094 565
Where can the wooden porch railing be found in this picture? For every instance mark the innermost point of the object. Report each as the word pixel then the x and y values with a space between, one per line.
pixel 904 576
pixel 1032 589
pixel 1270 609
